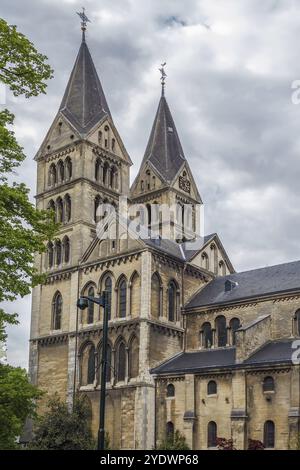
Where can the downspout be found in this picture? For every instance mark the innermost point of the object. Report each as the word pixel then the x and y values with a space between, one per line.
pixel 76 341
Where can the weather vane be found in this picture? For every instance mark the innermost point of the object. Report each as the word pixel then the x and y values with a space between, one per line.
pixel 163 77
pixel 84 20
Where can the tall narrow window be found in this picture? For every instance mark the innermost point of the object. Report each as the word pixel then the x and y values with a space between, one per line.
pixel 155 295
pixel 66 249
pixel 205 259
pixel 50 255
pixel 113 144
pixel 99 137
pixel 59 210
pixel 105 173
pixel 122 298
pixel 212 434
pixel 52 179
pixel 57 311
pixel 207 335
pixel 91 366
pixel 108 288
pixel 97 170
pixel 221 331
pixel 234 326
pixel 269 434
pixel 58 252
pixel 97 203
pixel 172 301
pixel 68 167
pixel 61 171
pixel 133 366
pixel 90 315
pixel 67 212
pixel 170 431
pixel 121 363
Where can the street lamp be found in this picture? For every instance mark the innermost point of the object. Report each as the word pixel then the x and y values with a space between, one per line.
pixel 82 303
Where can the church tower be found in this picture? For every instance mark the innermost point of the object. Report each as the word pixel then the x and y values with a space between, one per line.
pixel 165 176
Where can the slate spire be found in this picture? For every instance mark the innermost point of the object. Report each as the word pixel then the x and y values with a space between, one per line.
pixel 164 150
pixel 84 103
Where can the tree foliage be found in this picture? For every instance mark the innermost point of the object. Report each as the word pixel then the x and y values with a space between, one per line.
pixel 176 442
pixel 17 401
pixel 225 444
pixel 22 68
pixel 254 444
pixel 23 229
pixel 64 429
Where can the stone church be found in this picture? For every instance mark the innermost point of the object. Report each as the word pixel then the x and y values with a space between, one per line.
pixel 193 345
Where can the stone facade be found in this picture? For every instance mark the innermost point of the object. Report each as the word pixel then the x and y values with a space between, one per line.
pixel 82 163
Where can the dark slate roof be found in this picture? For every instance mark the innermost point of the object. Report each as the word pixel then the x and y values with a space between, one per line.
pixel 250 284
pixel 189 254
pixel 84 103
pixel 194 361
pixel 164 150
pixel 169 247
pixel 273 352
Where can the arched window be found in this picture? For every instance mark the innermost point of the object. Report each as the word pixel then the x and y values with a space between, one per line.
pixel 148 175
pixel 51 206
pixel 170 431
pixel 68 168
pixel 97 170
pixel 105 173
pixel 90 313
pixel 222 268
pixel 113 144
pixel 97 203
pixel 297 322
pixel 61 171
pixel 172 305
pixel 142 185
pixel 50 251
pixel 170 390
pixel 212 387
pixel 108 289
pixel 99 137
pixel 207 335
pixel 122 298
pixel 269 434
pixel 57 311
pixel 108 363
pixel 149 215
pixel 221 331
pixel 212 434
pixel 155 296
pixel 234 326
pixel 205 259
pixel 67 212
pixel 59 210
pixel 113 177
pixel 66 249
pixel 135 295
pixel 91 366
pixel 52 176
pixel 133 366
pixel 121 362
pixel 153 182
pixel 268 384
pixel 58 252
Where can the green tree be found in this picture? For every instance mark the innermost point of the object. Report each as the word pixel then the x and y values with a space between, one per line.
pixel 64 429
pixel 23 229
pixel 176 442
pixel 17 401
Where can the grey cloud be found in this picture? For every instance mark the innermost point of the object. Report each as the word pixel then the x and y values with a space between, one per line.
pixel 229 89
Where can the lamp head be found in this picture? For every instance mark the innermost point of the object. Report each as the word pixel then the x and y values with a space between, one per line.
pixel 82 303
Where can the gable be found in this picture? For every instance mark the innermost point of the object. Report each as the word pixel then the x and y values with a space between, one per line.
pixel 185 183
pixel 148 179
pixel 213 258
pixel 106 136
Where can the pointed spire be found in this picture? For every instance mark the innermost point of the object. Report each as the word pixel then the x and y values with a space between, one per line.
pixel 84 103
pixel 164 150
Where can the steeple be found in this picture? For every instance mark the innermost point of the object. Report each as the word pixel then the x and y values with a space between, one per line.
pixel 84 103
pixel 164 150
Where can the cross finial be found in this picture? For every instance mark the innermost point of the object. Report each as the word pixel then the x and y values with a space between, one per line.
pixel 163 78
pixel 84 21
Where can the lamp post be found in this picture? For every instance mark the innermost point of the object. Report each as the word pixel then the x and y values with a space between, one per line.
pixel 82 303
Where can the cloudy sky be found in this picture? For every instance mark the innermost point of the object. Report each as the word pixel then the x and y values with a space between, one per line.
pixel 230 66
